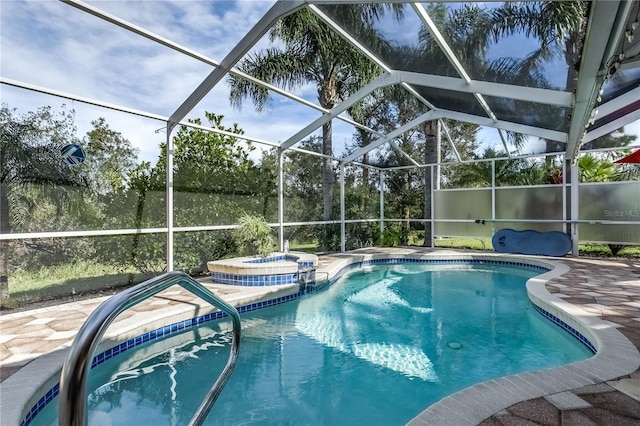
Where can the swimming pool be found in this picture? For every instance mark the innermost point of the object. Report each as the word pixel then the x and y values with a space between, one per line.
pixel 369 348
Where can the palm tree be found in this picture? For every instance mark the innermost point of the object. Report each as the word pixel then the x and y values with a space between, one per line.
pixel 593 169
pixel 375 113
pixel 559 26
pixel 312 53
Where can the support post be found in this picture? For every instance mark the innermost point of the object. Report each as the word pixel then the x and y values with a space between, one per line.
pixel 432 224
pixel 280 200
pixel 566 214
pixel 342 215
pixel 575 237
pixel 381 186
pixel 493 197
pixel 169 203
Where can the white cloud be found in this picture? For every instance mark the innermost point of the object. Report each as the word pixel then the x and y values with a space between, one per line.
pixel 56 46
pixel 52 44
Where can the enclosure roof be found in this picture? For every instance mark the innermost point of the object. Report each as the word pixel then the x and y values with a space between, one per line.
pixel 455 85
pixel 456 60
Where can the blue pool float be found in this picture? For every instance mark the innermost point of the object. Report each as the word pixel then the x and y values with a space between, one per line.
pixel 551 243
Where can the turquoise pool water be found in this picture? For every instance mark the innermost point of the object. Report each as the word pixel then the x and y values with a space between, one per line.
pixel 376 347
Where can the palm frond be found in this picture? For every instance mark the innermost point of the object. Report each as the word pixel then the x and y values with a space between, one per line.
pixel 275 66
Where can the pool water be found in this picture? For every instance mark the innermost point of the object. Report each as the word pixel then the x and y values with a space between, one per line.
pixel 376 347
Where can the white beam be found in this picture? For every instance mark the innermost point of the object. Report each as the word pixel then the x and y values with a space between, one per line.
pixel 343 227
pixel 439 38
pixel 619 102
pixel 89 101
pixel 382 81
pixel 169 201
pixel 603 34
pixel 344 34
pixel 82 99
pixel 450 139
pixel 499 90
pixel 281 200
pixel 381 191
pixel 196 55
pixel 451 56
pixel 277 11
pixel 403 153
pixel 612 126
pixel 431 115
pixel 614 106
pixel 506 125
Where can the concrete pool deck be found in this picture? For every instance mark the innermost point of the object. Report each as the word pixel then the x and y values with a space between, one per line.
pixel 605 294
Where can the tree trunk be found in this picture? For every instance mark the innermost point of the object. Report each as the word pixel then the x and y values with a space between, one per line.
pixel 135 246
pixel 431 156
pixel 365 171
pixel 327 171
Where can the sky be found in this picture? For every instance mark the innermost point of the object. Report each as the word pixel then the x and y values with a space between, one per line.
pixel 51 44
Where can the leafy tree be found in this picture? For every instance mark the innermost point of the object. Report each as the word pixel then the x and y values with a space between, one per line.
pixel 303 188
pixel 405 187
pixel 264 177
pixel 30 164
pixel 597 169
pixel 140 183
pixel 215 181
pixel 214 177
pixel 464 137
pixel 508 172
pixel 375 112
pixel 312 52
pixel 617 138
pixel 207 161
pixel 109 158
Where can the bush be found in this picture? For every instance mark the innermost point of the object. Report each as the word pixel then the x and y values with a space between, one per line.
pixel 254 236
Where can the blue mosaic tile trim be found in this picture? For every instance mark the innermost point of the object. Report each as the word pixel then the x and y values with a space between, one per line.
pixel 575 333
pixel 273 259
pixel 254 280
pixel 394 261
pixel 312 287
pixel 268 303
pixel 153 335
pixel 39 406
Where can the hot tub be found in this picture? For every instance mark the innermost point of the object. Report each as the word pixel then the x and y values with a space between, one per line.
pixel 276 269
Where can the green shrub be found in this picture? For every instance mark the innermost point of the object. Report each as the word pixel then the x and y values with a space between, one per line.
pixel 254 236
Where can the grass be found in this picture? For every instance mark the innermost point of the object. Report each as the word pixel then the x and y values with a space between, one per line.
pixel 587 249
pixel 74 280
pixel 479 243
pixel 68 280
pixel 602 250
pixel 465 243
pixel 307 247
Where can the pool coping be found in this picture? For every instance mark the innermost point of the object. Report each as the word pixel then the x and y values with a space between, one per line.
pixel 22 390
pixel 616 356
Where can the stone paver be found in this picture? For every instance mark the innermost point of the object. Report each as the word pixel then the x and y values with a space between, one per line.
pixel 567 401
pixel 592 286
pixel 609 290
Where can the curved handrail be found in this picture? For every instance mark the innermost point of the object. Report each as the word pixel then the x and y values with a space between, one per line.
pixel 72 395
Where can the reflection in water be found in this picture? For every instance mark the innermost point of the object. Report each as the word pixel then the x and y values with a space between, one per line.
pixel 374 348
pixel 128 391
pixel 353 334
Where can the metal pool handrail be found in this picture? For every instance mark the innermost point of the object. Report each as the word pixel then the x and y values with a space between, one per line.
pixel 72 395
